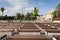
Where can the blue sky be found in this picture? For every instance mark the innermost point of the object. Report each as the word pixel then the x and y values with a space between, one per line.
pixel 14 6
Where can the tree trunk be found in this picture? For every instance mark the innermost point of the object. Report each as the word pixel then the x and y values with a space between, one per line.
pixel 2 14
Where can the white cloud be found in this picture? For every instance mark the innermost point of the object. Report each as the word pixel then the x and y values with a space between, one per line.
pixel 18 5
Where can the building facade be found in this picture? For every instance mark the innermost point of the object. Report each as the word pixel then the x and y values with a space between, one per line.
pixel 49 15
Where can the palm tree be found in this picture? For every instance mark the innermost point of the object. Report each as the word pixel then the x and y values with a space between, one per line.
pixel 2 10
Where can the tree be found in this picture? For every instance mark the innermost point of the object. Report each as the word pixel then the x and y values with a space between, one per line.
pixel 27 17
pixel 31 16
pixel 22 16
pixel 18 15
pixel 5 17
pixel 2 10
pixel 35 12
pixel 54 14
